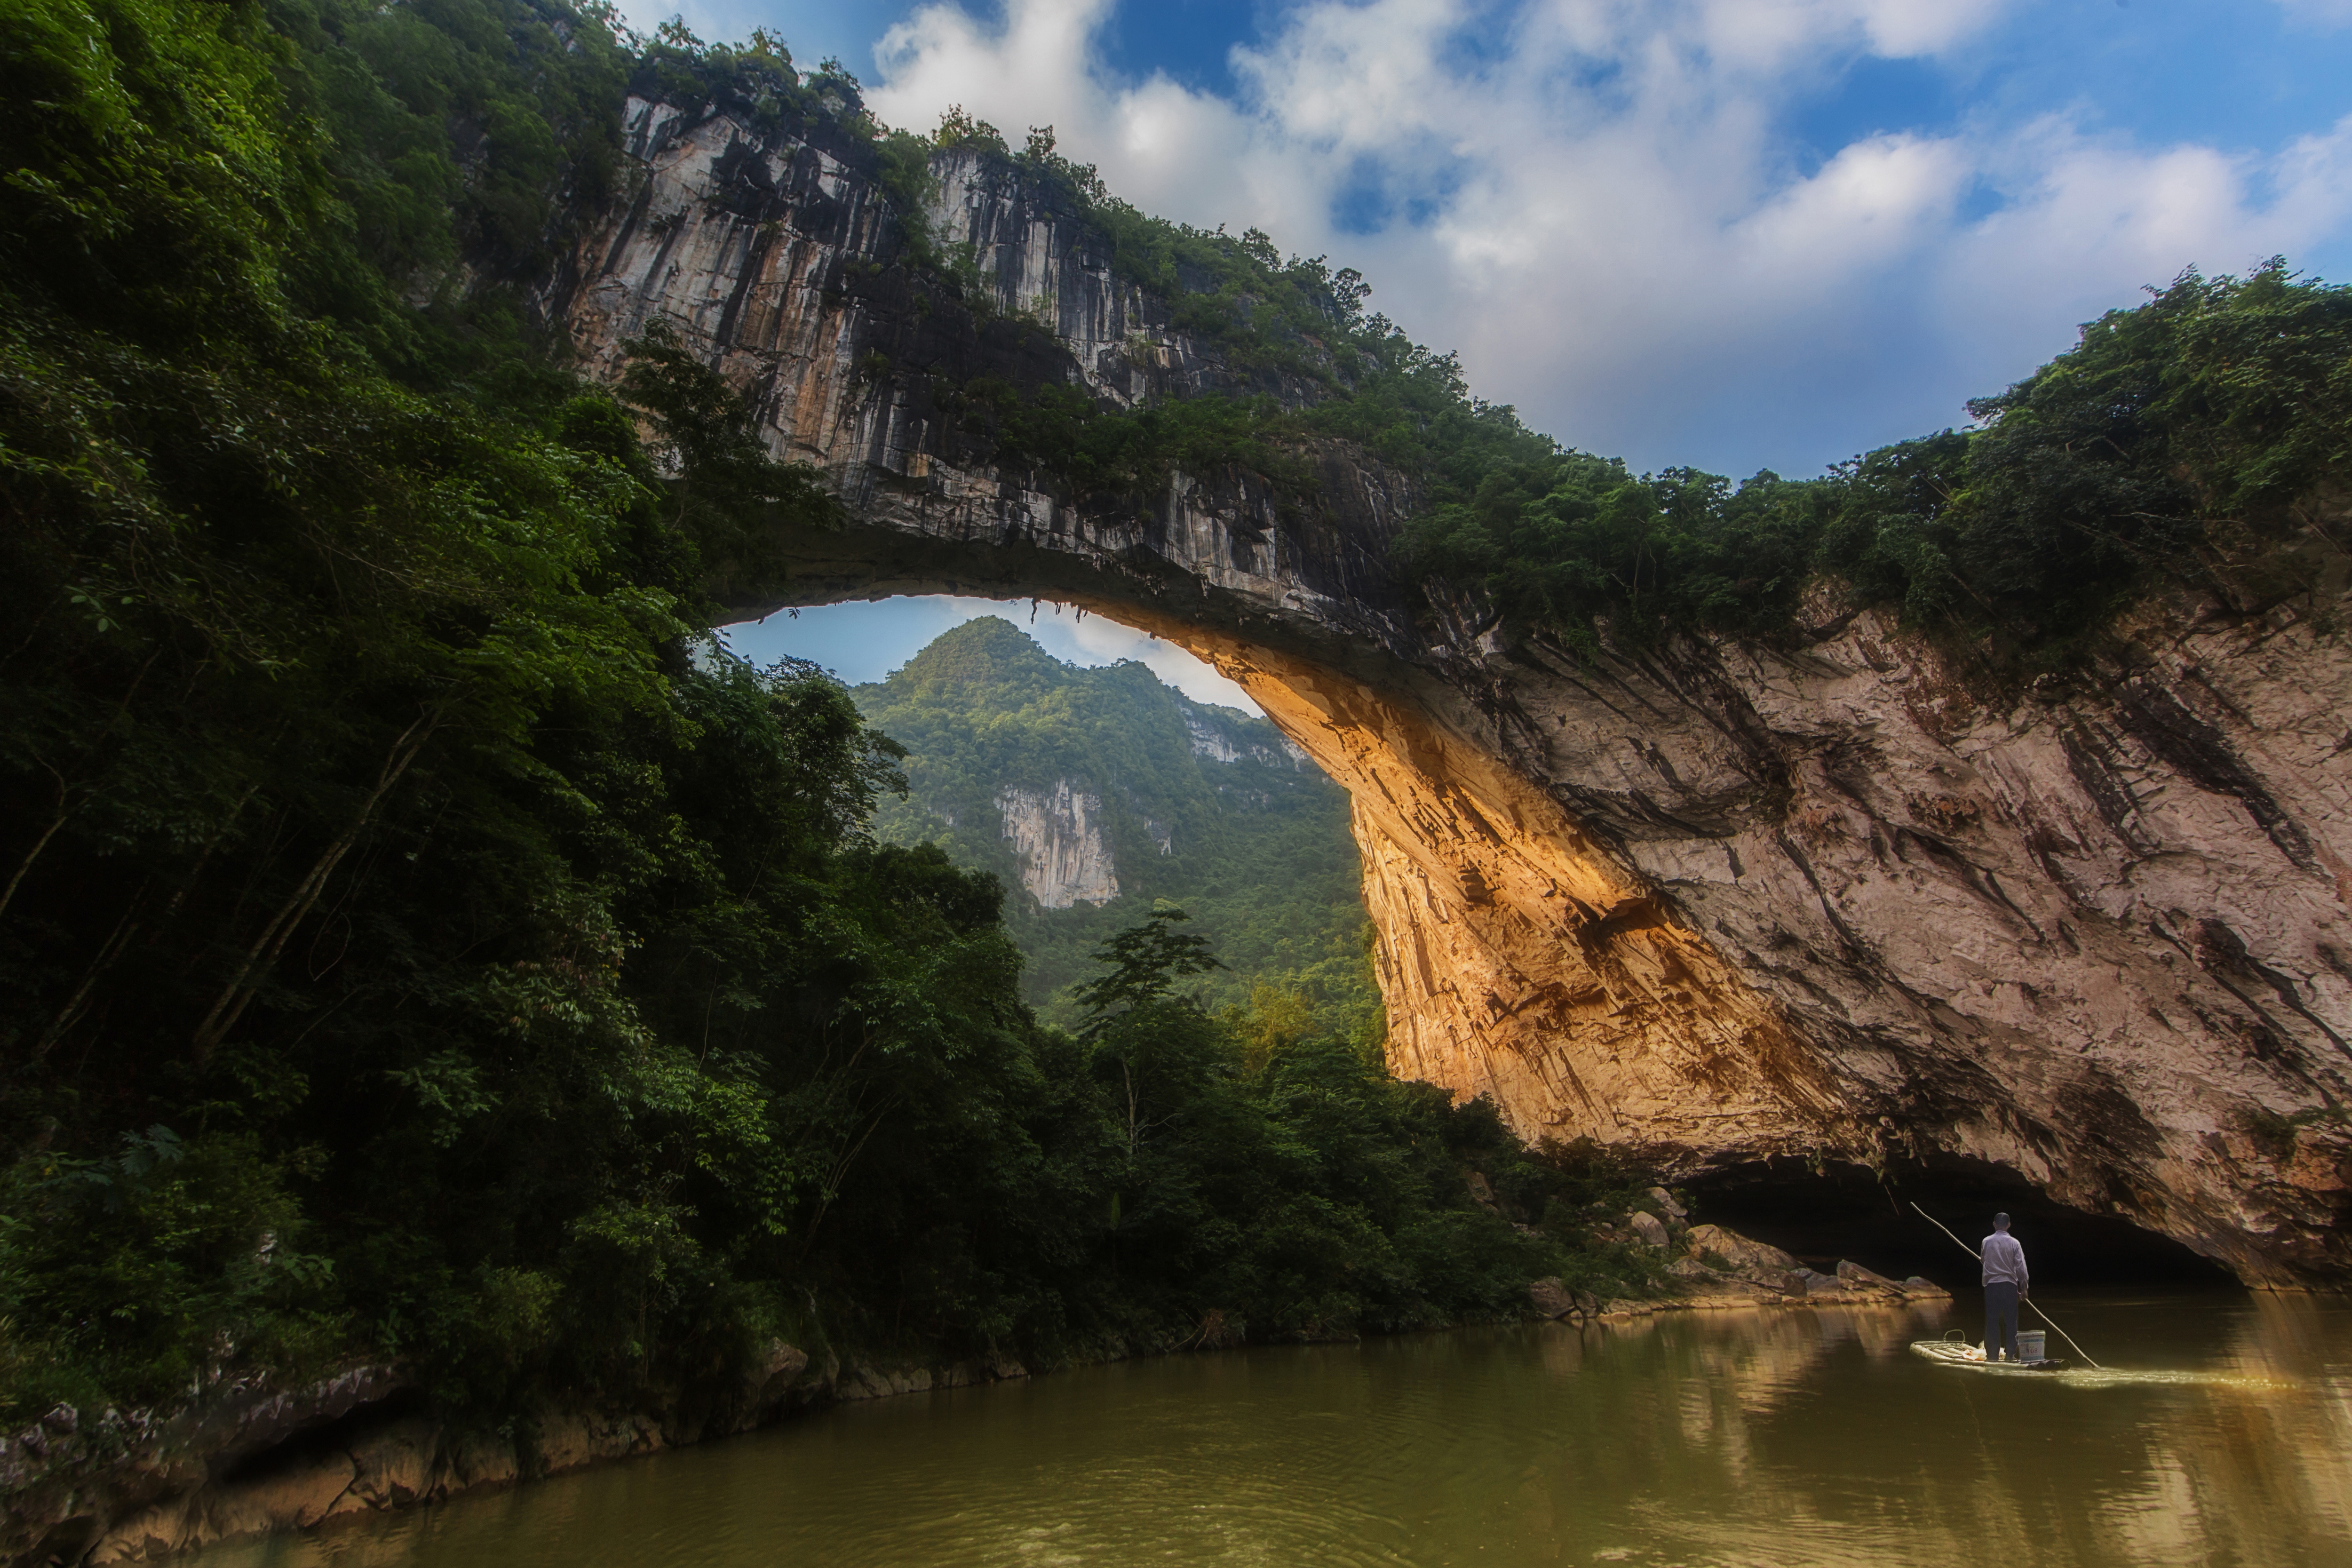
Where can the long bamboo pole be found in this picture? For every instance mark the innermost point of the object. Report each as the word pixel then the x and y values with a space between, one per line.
pixel 2045 1317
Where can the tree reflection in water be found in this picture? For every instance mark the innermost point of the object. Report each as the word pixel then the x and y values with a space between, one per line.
pixel 2222 1434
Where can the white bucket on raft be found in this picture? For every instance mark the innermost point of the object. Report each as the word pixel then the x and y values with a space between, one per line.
pixel 2031 1344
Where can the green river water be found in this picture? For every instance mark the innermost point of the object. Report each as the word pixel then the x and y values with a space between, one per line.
pixel 2222 1434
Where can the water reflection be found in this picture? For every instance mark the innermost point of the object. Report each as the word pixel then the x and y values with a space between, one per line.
pixel 2222 1433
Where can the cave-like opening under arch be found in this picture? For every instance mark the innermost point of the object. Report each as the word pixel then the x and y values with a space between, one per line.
pixel 1824 1212
pixel 1518 958
pixel 1525 950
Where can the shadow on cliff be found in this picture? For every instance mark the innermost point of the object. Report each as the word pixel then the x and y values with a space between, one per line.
pixel 1848 1212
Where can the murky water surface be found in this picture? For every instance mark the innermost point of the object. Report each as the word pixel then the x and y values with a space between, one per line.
pixel 2222 1436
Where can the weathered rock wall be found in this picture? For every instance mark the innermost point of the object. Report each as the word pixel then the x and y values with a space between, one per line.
pixel 1714 902
pixel 1213 740
pixel 1728 903
pixel 1058 834
pixel 785 262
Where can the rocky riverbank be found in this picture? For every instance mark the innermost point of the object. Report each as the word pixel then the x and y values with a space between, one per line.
pixel 1714 1268
pixel 253 1458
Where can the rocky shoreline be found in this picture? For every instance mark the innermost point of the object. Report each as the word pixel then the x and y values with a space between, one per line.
pixel 256 1459
pixel 1713 1270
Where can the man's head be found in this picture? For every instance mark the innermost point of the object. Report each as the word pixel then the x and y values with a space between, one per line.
pixel 2000 1222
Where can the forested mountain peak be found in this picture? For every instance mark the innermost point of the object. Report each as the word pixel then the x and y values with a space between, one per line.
pixel 1093 793
pixel 987 650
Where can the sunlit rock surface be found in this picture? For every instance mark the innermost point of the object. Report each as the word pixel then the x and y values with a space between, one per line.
pixel 1711 903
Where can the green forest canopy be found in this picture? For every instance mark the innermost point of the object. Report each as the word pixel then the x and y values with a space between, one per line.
pixel 413 944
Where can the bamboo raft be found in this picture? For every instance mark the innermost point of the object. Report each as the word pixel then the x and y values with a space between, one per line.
pixel 1952 1350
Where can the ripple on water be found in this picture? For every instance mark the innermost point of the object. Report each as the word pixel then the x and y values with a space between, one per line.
pixel 2126 1377
pixel 1716 1439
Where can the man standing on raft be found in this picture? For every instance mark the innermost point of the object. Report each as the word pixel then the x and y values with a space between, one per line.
pixel 2005 1282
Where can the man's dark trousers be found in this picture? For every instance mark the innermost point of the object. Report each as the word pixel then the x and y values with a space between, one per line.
pixel 2001 1320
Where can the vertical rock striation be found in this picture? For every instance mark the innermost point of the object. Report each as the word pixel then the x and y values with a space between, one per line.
pixel 1213 740
pixel 1727 902
pixel 1058 833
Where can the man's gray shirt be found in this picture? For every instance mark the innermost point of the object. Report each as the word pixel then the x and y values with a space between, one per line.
pixel 2004 1260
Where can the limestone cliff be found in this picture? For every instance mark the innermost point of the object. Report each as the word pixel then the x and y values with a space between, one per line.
pixel 1732 902
pixel 1215 741
pixel 1058 834
pixel 1715 903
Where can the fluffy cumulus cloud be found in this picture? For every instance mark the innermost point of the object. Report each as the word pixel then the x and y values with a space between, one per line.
pixel 1602 203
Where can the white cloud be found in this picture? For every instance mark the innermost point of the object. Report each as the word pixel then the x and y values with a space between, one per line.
pixel 2314 175
pixel 1594 200
pixel 1766 37
pixel 2325 13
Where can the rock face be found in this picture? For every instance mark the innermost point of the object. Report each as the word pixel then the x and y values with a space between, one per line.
pixel 1215 741
pixel 1712 903
pixel 1717 1268
pixel 1058 834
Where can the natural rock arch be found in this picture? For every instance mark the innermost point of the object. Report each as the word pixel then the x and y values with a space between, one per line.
pixel 1714 904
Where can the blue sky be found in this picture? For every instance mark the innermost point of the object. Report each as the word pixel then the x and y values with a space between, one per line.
pixel 1734 234
pixel 861 642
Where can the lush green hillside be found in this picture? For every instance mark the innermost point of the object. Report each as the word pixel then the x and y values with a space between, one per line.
pixel 1254 848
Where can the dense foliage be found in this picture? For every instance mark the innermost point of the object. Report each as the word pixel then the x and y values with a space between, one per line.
pixel 2180 442
pixel 1255 848
pixel 414 939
